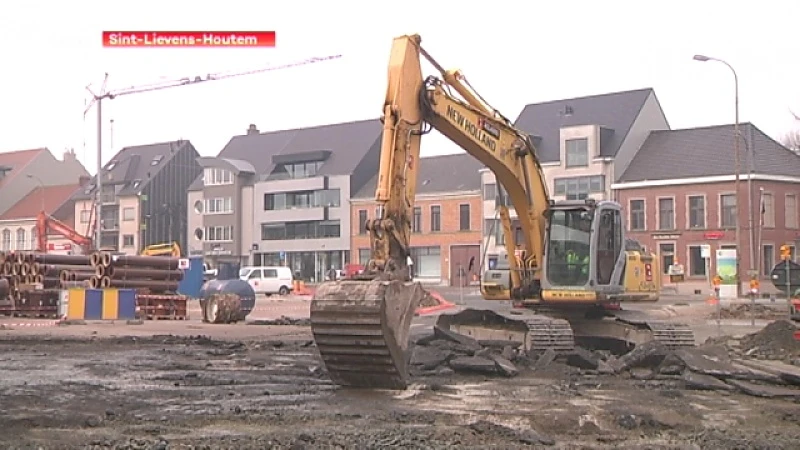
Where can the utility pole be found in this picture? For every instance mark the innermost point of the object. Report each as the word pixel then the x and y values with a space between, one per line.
pixel 103 94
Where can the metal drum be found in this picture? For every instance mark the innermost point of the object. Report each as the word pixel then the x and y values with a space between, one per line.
pixel 239 288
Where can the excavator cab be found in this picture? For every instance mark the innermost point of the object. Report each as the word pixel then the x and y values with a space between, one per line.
pixel 584 251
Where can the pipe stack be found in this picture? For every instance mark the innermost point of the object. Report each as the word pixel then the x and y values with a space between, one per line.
pixel 154 274
pixel 27 278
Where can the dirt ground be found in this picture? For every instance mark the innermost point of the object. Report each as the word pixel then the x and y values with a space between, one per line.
pixel 169 386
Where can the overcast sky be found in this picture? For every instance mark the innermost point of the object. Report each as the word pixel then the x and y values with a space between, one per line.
pixel 513 52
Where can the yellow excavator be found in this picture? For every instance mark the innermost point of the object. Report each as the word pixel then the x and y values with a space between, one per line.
pixel 573 265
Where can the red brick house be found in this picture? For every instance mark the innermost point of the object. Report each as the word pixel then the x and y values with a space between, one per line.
pixel 678 193
pixel 447 220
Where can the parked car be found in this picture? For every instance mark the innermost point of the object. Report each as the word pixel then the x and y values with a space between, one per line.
pixel 268 279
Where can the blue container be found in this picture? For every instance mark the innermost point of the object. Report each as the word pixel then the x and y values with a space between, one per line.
pixel 239 287
pixel 192 281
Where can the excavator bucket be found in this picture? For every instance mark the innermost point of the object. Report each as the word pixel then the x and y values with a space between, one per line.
pixel 361 329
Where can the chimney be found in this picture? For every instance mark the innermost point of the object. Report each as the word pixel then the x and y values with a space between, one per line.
pixel 83 180
pixel 69 155
pixel 252 129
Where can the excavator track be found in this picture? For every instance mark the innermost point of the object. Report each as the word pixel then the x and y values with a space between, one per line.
pixel 672 335
pixel 361 330
pixel 534 333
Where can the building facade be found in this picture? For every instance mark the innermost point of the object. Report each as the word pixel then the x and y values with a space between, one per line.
pixel 293 189
pixel 679 195
pixel 446 225
pixel 22 172
pixel 220 216
pixel 584 144
pixel 143 197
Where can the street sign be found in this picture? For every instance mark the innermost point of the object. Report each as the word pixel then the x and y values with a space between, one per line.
pixel 705 251
pixel 183 263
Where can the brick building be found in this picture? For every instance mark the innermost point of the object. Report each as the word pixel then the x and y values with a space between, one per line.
pixel 446 224
pixel 678 193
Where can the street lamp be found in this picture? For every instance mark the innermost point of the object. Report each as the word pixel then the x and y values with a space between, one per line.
pixel 737 170
pixel 41 187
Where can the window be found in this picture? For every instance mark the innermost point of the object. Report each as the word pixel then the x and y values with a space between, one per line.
pixel 697 211
pixel 296 170
pixel 6 239
pixel 221 205
pixel 667 253
pixel 768 210
pixel 436 218
pixel 157 159
pixel 637 218
pixel 215 177
pixel 768 258
pixel 34 244
pixel 490 191
pixel 198 206
pixel 22 239
pixel 303 199
pixel 577 152
pixel 463 217
pixel 666 214
pixel 362 221
pixel 579 188
pixel 363 256
pixel 416 225
pixel 85 215
pixel 791 211
pixel 697 264
pixel 427 262
pixel 322 229
pixel 128 214
pixel 127 240
pixel 727 206
pixel 219 234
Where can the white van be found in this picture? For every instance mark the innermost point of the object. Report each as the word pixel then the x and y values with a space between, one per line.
pixel 268 279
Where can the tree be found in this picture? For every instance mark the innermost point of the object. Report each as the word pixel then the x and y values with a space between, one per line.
pixel 791 140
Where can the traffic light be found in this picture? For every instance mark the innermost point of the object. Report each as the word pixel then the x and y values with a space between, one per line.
pixel 786 252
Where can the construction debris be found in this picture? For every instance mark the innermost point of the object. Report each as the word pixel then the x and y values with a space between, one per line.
pixel 758 311
pixel 711 366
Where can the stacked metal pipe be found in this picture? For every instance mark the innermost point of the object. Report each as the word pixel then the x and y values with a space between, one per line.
pixel 51 272
pixel 155 274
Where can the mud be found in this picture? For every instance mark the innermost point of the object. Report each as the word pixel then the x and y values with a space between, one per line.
pixel 757 311
pixel 194 392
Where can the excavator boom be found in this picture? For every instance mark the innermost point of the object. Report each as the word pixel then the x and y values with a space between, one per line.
pixel 45 223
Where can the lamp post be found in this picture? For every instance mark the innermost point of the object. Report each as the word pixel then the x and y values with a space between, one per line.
pixel 737 170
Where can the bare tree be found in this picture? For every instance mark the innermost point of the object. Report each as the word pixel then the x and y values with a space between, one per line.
pixel 791 139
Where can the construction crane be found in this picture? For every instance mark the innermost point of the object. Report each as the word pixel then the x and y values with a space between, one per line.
pixel 95 227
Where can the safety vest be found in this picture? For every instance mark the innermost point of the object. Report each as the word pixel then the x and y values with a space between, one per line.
pixel 573 260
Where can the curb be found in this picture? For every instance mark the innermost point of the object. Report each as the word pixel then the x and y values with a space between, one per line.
pixel 49 323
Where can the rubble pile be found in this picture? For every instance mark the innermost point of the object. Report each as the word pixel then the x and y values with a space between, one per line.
pixel 428 300
pixel 283 320
pixel 775 341
pixel 748 310
pixel 711 366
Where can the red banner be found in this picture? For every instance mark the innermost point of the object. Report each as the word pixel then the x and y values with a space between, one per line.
pixel 185 39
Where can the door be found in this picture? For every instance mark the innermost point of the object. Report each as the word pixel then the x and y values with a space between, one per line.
pixel 254 279
pixel 466 260
pixel 270 281
pixel 666 251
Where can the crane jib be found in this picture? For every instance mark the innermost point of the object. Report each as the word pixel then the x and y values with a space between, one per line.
pixel 479 133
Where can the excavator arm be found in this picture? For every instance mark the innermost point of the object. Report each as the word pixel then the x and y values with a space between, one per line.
pixel 46 223
pixel 361 325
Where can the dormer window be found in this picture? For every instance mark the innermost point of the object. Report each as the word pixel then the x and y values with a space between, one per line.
pixel 111 165
pixel 156 160
pixel 136 183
